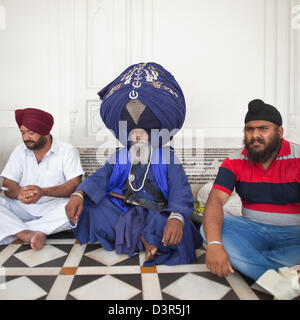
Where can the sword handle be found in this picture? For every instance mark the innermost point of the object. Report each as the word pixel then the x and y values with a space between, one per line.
pixel 117 195
pixel 121 197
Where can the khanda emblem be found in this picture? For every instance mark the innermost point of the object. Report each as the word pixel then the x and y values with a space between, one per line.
pixel 135 75
pixel 133 94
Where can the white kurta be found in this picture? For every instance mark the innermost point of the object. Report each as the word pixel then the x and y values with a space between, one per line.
pixel 60 164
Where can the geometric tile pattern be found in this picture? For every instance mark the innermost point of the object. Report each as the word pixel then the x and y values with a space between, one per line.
pixel 192 286
pixel 105 288
pixel 34 258
pixel 65 270
pixel 31 291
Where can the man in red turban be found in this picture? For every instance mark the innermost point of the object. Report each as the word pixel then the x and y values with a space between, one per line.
pixel 40 174
pixel 36 120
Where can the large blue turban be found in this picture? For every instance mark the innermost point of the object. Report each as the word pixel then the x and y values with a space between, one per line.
pixel 155 88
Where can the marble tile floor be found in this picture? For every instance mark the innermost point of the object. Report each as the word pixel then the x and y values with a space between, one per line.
pixel 65 270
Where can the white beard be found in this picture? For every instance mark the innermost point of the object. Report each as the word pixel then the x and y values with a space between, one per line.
pixel 140 152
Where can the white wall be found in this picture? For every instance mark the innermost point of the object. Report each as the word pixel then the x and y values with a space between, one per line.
pixel 34 68
pixel 56 55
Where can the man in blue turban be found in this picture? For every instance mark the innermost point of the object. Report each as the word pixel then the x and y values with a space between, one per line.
pixel 140 199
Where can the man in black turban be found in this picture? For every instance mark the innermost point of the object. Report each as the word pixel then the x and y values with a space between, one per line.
pixel 266 175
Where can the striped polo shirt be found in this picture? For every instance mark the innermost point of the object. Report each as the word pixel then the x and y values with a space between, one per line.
pixel 269 196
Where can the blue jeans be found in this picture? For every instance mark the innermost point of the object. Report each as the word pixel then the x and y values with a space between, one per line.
pixel 253 247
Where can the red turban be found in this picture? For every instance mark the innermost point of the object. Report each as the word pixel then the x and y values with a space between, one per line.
pixel 36 120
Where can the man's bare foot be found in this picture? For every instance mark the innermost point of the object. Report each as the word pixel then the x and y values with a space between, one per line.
pixel 150 249
pixel 37 241
pixel 35 238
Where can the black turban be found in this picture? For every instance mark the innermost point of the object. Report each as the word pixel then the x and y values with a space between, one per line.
pixel 258 110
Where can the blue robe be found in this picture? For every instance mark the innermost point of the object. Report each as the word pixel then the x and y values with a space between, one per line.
pixel 119 227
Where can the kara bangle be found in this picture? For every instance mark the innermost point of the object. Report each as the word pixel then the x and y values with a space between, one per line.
pixel 73 226
pixel 214 242
pixel 177 216
pixel 77 194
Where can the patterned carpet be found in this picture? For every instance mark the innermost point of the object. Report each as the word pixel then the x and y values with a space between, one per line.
pixel 65 270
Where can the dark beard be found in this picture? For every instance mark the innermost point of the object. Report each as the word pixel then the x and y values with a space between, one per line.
pixel 263 156
pixel 36 145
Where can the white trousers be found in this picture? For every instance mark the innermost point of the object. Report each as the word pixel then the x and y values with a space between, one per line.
pixel 14 218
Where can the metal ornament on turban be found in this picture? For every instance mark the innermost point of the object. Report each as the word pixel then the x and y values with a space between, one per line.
pixel 146 96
